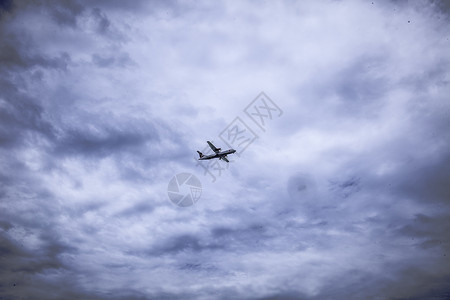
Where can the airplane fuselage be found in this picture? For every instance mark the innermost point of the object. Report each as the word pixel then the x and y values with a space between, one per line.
pixel 218 155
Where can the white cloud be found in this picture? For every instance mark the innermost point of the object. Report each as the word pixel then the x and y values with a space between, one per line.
pixel 346 184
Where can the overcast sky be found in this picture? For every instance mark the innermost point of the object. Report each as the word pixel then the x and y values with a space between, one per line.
pixel 343 193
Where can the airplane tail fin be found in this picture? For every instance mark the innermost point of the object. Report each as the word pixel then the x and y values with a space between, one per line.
pixel 199 153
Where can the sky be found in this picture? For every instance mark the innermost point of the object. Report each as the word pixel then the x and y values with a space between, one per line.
pixel 339 112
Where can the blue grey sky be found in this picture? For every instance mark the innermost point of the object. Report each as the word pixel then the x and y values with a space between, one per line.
pixel 343 195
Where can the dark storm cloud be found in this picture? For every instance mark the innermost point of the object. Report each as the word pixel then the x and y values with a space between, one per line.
pixel 440 6
pixel 14 56
pixel 103 140
pixel 221 238
pixel 138 6
pixel 103 22
pixel 29 210
pixel 244 237
pixel 426 182
pixel 432 229
pixel 345 187
pixel 19 266
pixel 132 144
pixel 5 6
pixel 120 60
pixel 183 243
pixel 358 88
pixel 82 216
pixel 21 116
pixel 443 6
pixel 137 210
pixel 415 178
pixel 65 13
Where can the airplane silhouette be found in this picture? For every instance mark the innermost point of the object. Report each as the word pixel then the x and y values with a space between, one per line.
pixel 217 153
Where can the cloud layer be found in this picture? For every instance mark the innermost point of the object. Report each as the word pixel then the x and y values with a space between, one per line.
pixel 344 196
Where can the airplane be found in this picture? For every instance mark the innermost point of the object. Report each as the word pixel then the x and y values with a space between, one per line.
pixel 218 153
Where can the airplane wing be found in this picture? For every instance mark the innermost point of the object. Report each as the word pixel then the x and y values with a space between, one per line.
pixel 225 158
pixel 213 147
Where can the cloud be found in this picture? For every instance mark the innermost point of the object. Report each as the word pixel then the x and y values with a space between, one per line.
pixel 342 196
pixel 5 7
